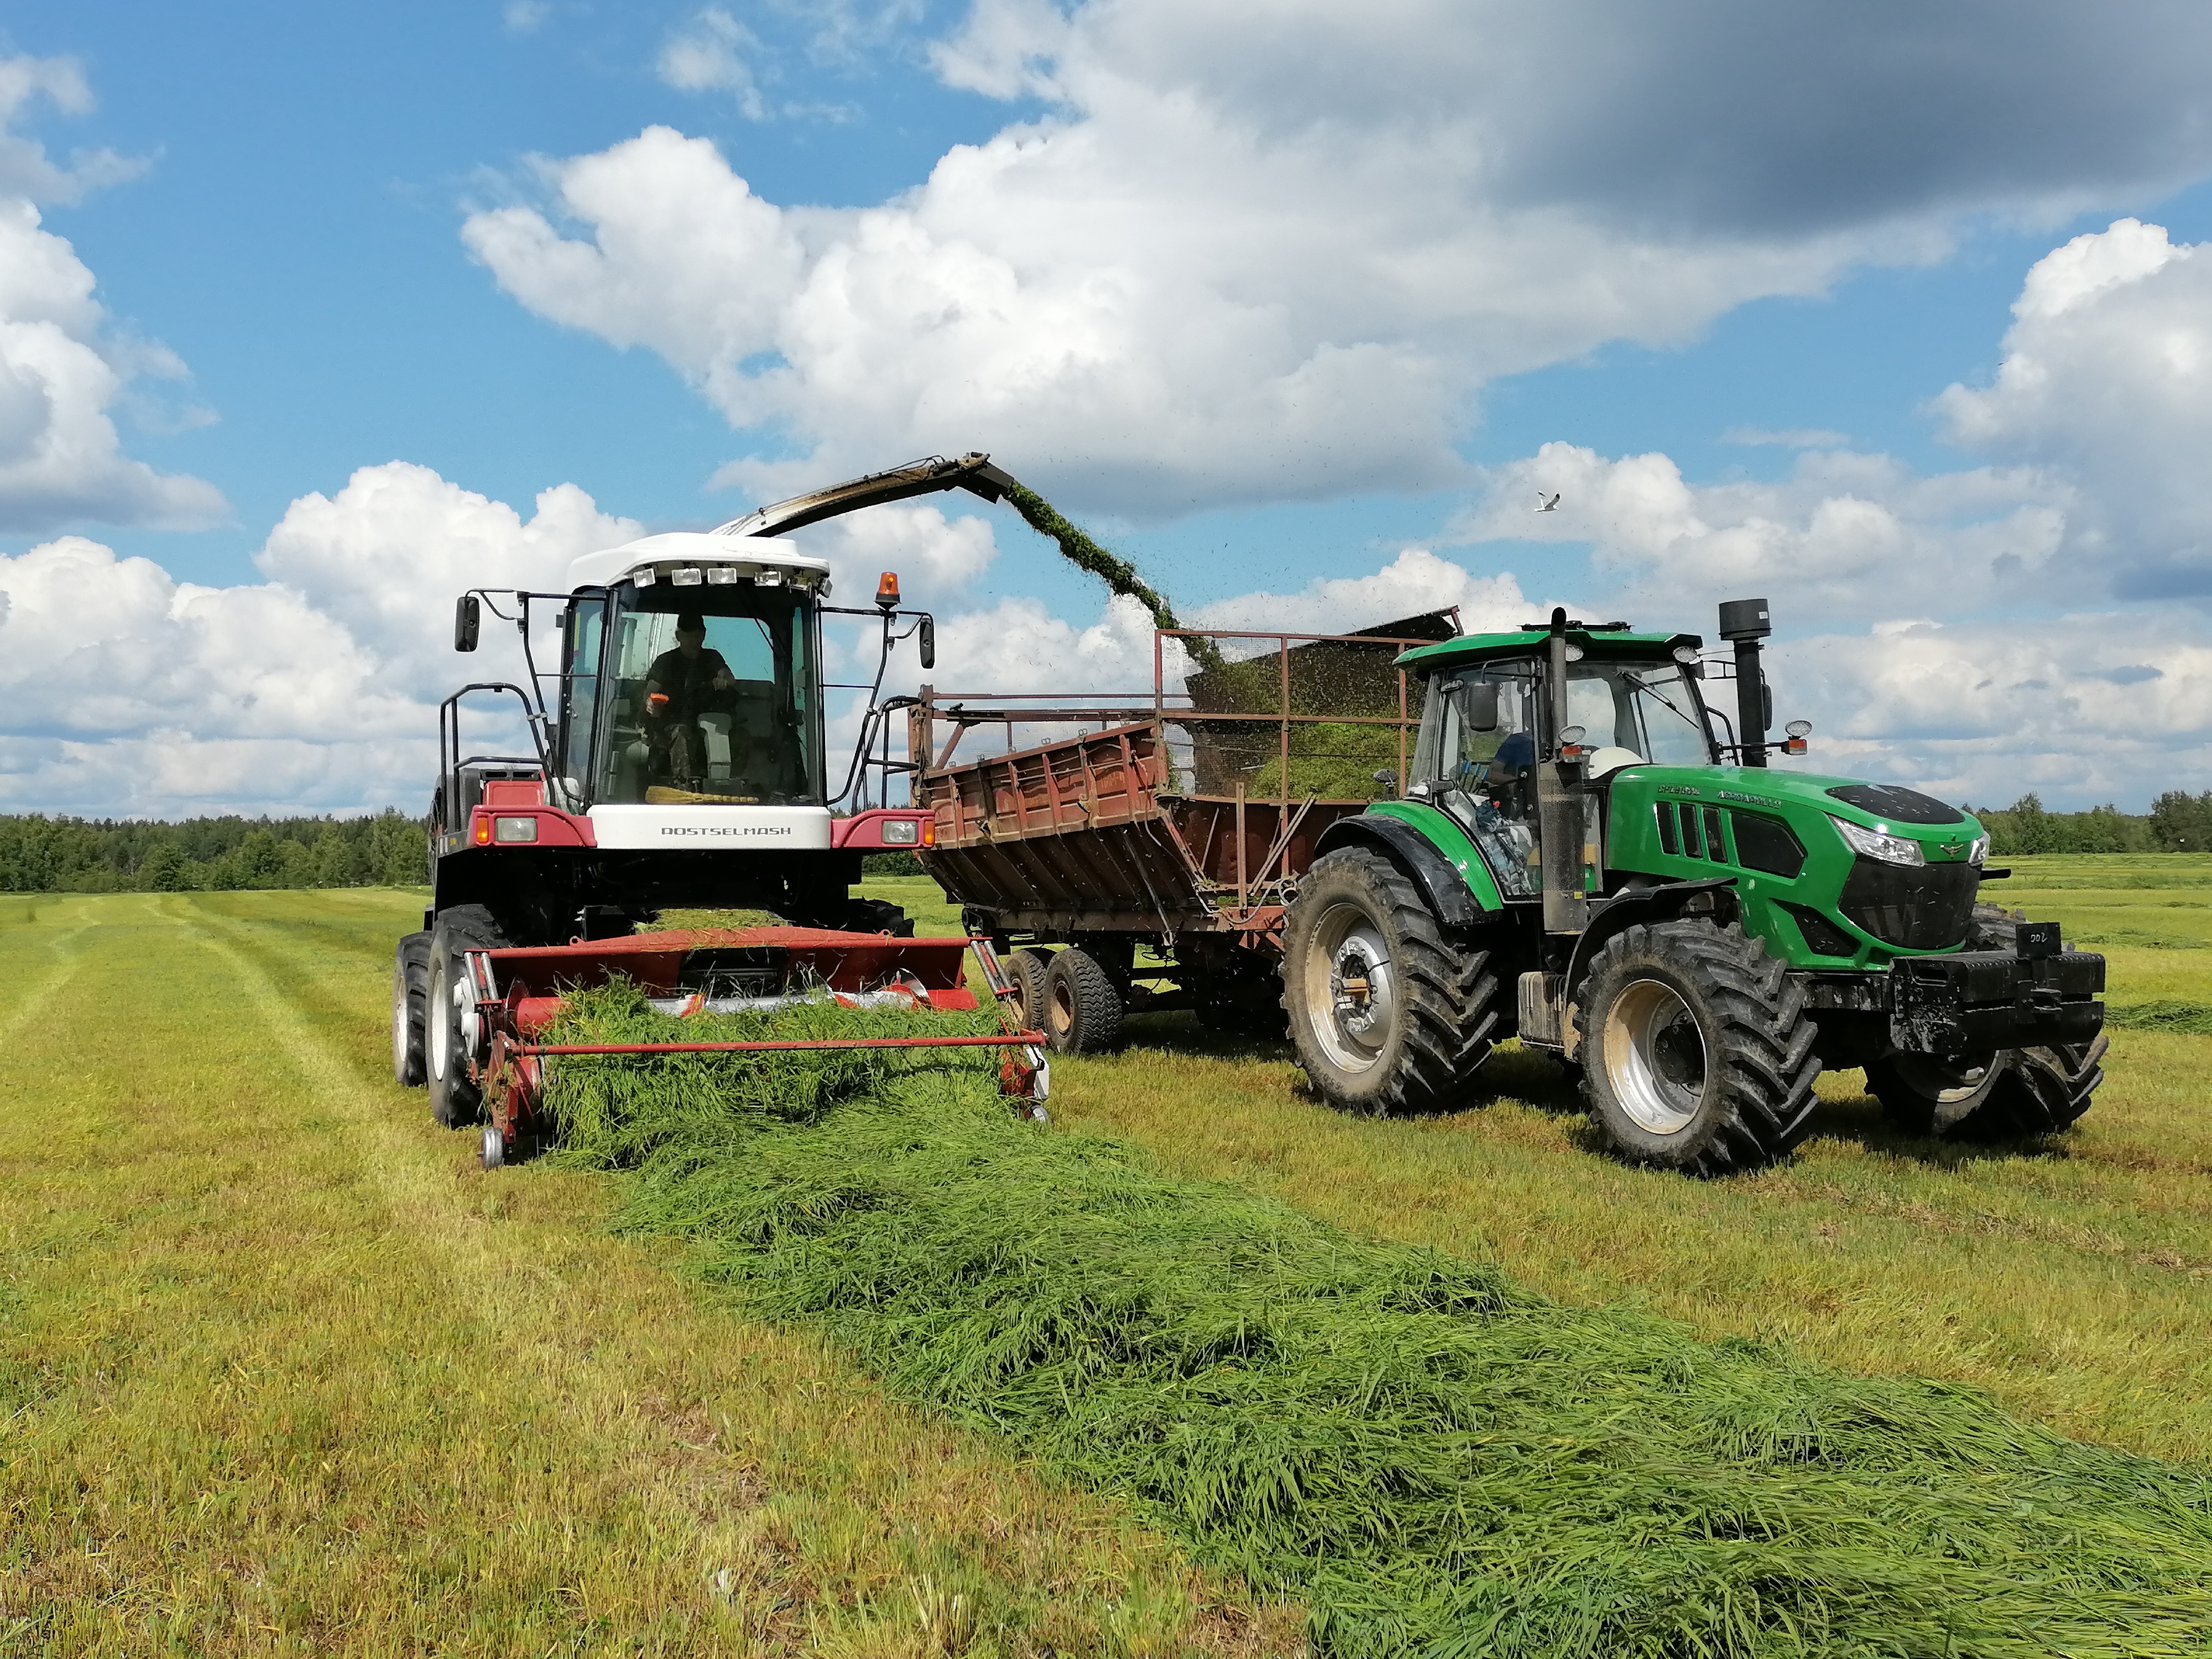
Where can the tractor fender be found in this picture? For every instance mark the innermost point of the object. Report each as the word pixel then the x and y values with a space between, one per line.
pixel 1643 904
pixel 1443 887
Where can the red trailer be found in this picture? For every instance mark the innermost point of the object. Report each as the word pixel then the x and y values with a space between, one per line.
pixel 1158 840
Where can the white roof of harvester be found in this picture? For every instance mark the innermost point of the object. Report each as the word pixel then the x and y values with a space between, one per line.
pixel 673 549
pixel 747 542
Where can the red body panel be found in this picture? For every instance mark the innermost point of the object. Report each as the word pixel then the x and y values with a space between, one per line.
pixel 555 827
pixel 864 831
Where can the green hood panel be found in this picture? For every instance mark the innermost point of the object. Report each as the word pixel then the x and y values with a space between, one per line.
pixel 1787 795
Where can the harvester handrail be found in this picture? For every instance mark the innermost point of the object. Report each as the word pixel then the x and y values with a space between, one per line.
pixel 449 740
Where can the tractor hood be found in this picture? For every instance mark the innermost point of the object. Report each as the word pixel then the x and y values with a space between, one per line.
pixel 1946 833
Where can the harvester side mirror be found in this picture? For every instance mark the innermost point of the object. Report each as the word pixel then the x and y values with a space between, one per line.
pixel 468 621
pixel 927 641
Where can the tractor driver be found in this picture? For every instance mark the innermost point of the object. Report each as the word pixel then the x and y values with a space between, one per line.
pixel 681 685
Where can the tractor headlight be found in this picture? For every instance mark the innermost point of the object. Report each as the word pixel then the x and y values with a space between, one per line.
pixel 1979 854
pixel 900 832
pixel 1890 850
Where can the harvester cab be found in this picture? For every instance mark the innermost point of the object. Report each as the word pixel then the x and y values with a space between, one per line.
pixel 678 758
pixel 1590 855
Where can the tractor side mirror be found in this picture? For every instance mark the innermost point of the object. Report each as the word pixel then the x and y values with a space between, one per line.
pixel 468 621
pixel 1478 704
pixel 927 641
pixel 1766 705
pixel 1388 781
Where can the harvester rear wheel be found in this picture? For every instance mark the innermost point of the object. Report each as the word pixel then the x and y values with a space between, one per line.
pixel 1697 1048
pixel 2014 1094
pixel 1386 1016
pixel 1082 1005
pixel 410 992
pixel 454 1098
pixel 1027 970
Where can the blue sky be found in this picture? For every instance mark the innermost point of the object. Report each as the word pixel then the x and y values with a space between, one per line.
pixel 1638 268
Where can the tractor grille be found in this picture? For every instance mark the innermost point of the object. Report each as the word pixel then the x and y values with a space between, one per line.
pixel 1928 908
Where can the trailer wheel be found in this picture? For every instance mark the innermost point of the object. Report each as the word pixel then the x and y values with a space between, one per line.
pixel 1386 1016
pixel 1027 969
pixel 410 992
pixel 1082 1005
pixel 454 1098
pixel 1697 1048
pixel 2014 1094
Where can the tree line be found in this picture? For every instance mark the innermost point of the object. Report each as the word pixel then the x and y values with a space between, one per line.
pixel 41 855
pixel 2177 823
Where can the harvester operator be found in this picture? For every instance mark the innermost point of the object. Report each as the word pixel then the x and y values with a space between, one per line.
pixel 679 686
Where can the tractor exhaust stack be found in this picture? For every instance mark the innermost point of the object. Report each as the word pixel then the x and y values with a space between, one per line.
pixel 1745 622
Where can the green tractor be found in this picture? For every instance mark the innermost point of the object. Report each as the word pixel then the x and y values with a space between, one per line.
pixel 1588 854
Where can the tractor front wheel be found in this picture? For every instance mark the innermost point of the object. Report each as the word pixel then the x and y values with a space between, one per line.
pixel 1386 1016
pixel 2014 1094
pixel 455 1099
pixel 1697 1048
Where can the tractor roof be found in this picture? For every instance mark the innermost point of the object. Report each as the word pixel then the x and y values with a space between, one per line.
pixel 1596 640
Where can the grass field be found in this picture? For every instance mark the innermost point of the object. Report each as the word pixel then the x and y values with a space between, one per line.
pixel 280 1371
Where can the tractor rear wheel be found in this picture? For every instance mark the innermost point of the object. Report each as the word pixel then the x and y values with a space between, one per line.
pixel 1027 969
pixel 1082 1005
pixel 1385 1015
pixel 411 993
pixel 1697 1048
pixel 455 1099
pixel 2014 1094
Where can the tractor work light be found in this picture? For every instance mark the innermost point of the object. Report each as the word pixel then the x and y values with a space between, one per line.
pixel 509 830
pixel 686 576
pixel 902 832
pixel 1794 736
pixel 1685 653
pixel 722 575
pixel 1570 742
pixel 1874 844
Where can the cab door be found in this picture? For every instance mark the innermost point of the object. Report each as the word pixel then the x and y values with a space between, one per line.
pixel 583 644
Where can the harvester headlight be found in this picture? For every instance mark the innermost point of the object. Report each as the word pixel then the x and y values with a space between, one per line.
pixel 769 577
pixel 514 830
pixel 688 576
pixel 902 832
pixel 722 575
pixel 1979 854
pixel 1874 844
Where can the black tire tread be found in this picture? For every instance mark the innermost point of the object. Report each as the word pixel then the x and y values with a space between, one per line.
pixel 1100 1007
pixel 1451 1000
pixel 411 990
pixel 1766 1065
pixel 463 928
pixel 1027 969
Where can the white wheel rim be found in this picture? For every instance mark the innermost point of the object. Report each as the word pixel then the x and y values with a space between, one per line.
pixel 399 1019
pixel 1350 988
pixel 1944 1084
pixel 441 1026
pixel 1655 1057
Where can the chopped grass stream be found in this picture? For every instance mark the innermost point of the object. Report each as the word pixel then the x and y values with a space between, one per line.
pixel 1437 1462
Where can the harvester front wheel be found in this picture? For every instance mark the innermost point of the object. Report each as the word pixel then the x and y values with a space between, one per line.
pixel 1082 1005
pixel 410 993
pixel 454 1098
pixel 1028 968
pixel 1697 1048
pixel 1386 1016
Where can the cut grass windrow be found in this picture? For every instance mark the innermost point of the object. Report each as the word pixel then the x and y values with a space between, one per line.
pixel 1438 1461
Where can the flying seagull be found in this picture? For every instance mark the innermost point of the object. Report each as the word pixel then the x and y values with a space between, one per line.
pixel 1547 503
